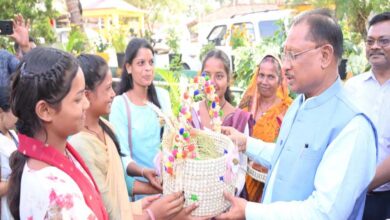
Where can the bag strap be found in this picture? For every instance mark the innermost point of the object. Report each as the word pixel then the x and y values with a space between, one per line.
pixel 128 123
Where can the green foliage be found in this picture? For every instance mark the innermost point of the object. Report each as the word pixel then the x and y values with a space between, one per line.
pixel 38 11
pixel 173 43
pixel 173 40
pixel 172 78
pixel 175 64
pixel 356 12
pixel 353 50
pixel 119 41
pixel 205 49
pixel 77 41
pixel 101 45
pixel 239 37
pixel 156 10
pixel 7 44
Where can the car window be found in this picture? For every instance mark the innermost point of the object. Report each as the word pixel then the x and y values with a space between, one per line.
pixel 217 34
pixel 268 28
pixel 246 28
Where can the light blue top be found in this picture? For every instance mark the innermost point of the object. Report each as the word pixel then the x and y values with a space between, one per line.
pixel 145 133
pixel 320 168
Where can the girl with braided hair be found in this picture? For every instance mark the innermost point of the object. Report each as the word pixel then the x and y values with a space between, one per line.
pixel 49 179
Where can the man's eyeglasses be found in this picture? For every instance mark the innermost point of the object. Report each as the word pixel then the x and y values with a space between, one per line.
pixel 381 42
pixel 290 56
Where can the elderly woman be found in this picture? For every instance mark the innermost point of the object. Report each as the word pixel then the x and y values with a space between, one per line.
pixel 267 99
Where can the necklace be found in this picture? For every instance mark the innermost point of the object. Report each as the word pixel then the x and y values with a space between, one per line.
pixel 97 134
pixel 260 112
pixel 210 114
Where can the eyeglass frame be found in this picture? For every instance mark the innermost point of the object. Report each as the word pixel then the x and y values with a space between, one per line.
pixel 378 41
pixel 293 56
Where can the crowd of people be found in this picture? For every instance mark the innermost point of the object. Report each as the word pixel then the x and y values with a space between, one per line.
pixel 85 151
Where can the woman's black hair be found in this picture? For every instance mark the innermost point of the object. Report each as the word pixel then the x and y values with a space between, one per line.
pixel 5 92
pixel 219 54
pixel 126 82
pixel 43 74
pixel 95 70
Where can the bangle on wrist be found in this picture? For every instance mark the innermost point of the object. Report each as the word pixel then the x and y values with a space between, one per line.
pixel 150 213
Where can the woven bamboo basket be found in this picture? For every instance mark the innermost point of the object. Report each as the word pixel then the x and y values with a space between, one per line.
pixel 201 179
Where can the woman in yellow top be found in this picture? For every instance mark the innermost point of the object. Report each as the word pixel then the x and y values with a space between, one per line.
pixel 267 99
pixel 98 146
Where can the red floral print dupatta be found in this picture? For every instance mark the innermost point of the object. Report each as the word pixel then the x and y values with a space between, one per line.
pixel 36 149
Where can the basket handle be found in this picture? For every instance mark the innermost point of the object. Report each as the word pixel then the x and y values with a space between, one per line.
pixel 161 114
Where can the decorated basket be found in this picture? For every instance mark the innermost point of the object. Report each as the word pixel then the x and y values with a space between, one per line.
pixel 205 178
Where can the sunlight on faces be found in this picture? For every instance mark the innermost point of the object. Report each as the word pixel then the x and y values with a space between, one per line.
pixel 141 68
pixel 70 117
pixel 215 69
pixel 100 99
pixel 267 79
pixel 304 74
pixel 378 55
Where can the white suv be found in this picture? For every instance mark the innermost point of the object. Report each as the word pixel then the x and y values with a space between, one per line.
pixel 258 25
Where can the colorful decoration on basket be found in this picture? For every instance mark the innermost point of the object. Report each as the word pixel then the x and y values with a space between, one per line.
pixel 233 164
pixel 194 197
pixel 203 83
pixel 201 87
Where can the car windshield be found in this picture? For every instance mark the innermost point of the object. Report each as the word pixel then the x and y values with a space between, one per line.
pixel 268 28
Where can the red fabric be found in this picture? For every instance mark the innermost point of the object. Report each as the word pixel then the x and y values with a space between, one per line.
pixel 36 149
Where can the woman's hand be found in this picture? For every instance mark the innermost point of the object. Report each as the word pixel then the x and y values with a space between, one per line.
pixel 185 214
pixel 147 201
pixel 152 177
pixel 168 206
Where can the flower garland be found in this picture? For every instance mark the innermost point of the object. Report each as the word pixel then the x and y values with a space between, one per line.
pixel 199 88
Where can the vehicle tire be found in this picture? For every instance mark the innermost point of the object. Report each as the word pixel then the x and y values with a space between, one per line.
pixel 185 66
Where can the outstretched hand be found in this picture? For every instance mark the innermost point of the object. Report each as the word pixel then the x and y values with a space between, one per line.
pixel 238 138
pixel 237 209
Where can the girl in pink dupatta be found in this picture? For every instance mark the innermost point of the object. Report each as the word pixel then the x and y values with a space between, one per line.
pixel 49 179
pixel 216 65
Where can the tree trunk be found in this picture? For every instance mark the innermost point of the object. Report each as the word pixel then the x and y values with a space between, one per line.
pixel 74 9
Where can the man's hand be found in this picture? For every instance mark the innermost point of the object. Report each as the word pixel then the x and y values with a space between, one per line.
pixel 238 138
pixel 237 209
